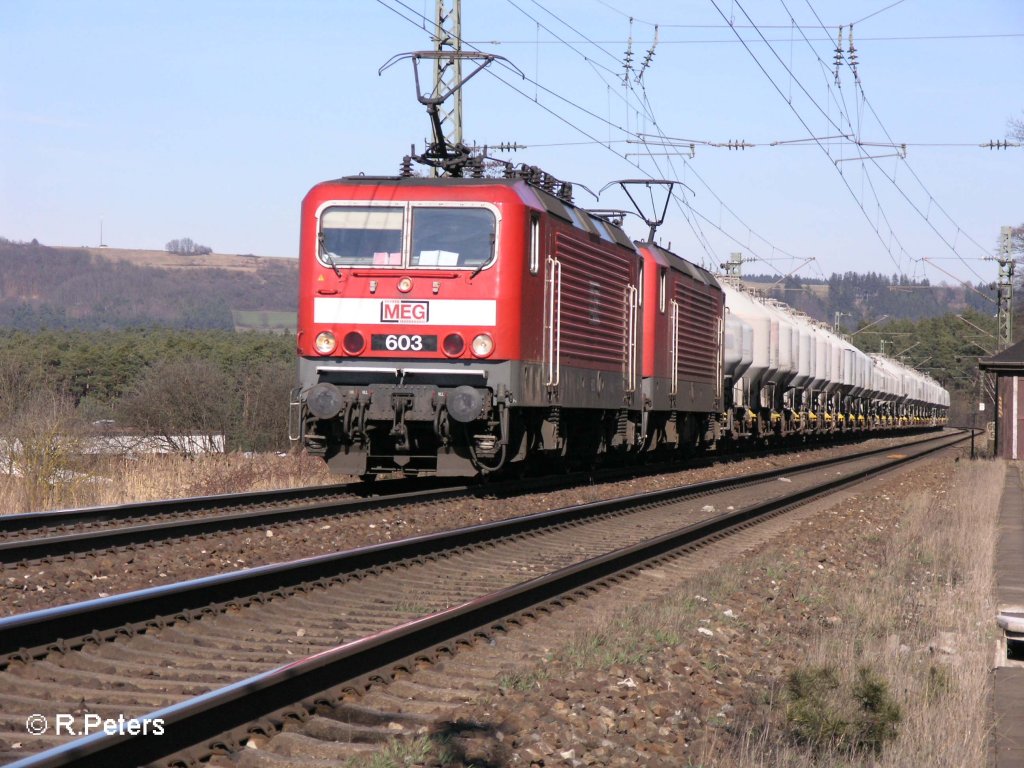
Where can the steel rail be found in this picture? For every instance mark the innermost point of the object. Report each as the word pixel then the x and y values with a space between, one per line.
pixel 61 545
pixel 67 626
pixel 56 520
pixel 60 518
pixel 203 720
pixel 30 521
pixel 40 547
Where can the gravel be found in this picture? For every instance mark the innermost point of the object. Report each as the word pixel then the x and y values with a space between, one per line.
pixel 694 701
pixel 42 585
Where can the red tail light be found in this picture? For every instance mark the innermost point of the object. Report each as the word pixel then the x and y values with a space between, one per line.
pixel 354 342
pixel 453 345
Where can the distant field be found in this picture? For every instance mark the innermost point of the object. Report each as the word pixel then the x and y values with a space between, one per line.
pixel 815 289
pixel 165 260
pixel 264 320
pixel 821 291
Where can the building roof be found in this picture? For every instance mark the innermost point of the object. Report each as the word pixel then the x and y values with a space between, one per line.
pixel 1010 360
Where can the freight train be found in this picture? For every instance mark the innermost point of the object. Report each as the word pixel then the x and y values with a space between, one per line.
pixel 461 326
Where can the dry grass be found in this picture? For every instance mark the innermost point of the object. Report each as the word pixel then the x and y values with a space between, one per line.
pixel 922 626
pixel 122 480
pixel 894 671
pixel 165 260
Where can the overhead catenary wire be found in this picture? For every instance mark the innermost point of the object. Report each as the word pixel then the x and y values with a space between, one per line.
pixel 880 10
pixel 684 209
pixel 702 239
pixel 695 227
pixel 854 133
pixel 645 112
pixel 805 125
pixel 734 41
pixel 845 116
pixel 619 11
pixel 931 199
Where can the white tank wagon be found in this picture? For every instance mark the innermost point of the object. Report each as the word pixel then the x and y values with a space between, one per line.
pixel 759 393
pixel 748 408
pixel 886 388
pixel 856 367
pixel 786 341
pixel 797 376
pixel 922 399
pixel 738 349
pixel 861 365
pixel 806 349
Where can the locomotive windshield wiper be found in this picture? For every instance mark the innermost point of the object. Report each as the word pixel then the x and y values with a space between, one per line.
pixel 485 262
pixel 327 255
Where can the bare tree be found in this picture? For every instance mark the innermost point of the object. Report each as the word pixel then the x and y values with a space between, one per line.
pixel 188 247
pixel 1015 128
pixel 264 393
pixel 44 439
pixel 18 382
pixel 176 400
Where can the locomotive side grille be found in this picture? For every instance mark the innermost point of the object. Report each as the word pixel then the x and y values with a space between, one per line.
pixel 700 311
pixel 593 305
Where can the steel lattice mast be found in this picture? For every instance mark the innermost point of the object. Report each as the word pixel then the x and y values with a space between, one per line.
pixel 1006 264
pixel 448 71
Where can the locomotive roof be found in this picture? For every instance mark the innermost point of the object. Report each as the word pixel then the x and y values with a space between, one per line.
pixel 677 262
pixel 543 198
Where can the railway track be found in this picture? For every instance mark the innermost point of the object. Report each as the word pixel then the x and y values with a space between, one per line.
pixel 185 653
pixel 229 510
pixel 49 536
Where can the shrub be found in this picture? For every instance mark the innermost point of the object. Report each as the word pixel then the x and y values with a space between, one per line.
pixel 823 716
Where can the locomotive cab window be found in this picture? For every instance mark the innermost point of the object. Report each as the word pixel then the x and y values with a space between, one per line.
pixel 361 236
pixel 452 237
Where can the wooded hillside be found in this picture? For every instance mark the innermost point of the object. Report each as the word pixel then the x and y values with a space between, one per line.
pixel 65 288
pixel 862 298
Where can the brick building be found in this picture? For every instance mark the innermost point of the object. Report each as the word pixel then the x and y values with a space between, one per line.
pixel 1008 367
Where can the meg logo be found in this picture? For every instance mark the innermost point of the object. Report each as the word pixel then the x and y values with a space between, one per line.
pixel 404 311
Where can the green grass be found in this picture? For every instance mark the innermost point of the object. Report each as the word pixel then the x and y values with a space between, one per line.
pixel 263 320
pixel 402 752
pixel 521 681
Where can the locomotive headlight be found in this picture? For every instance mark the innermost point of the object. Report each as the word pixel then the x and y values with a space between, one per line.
pixel 405 284
pixel 482 345
pixel 325 343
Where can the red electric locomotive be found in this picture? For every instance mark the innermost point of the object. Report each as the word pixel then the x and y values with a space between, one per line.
pixel 683 307
pixel 453 325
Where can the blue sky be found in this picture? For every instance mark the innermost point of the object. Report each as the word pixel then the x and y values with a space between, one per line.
pixel 212 119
